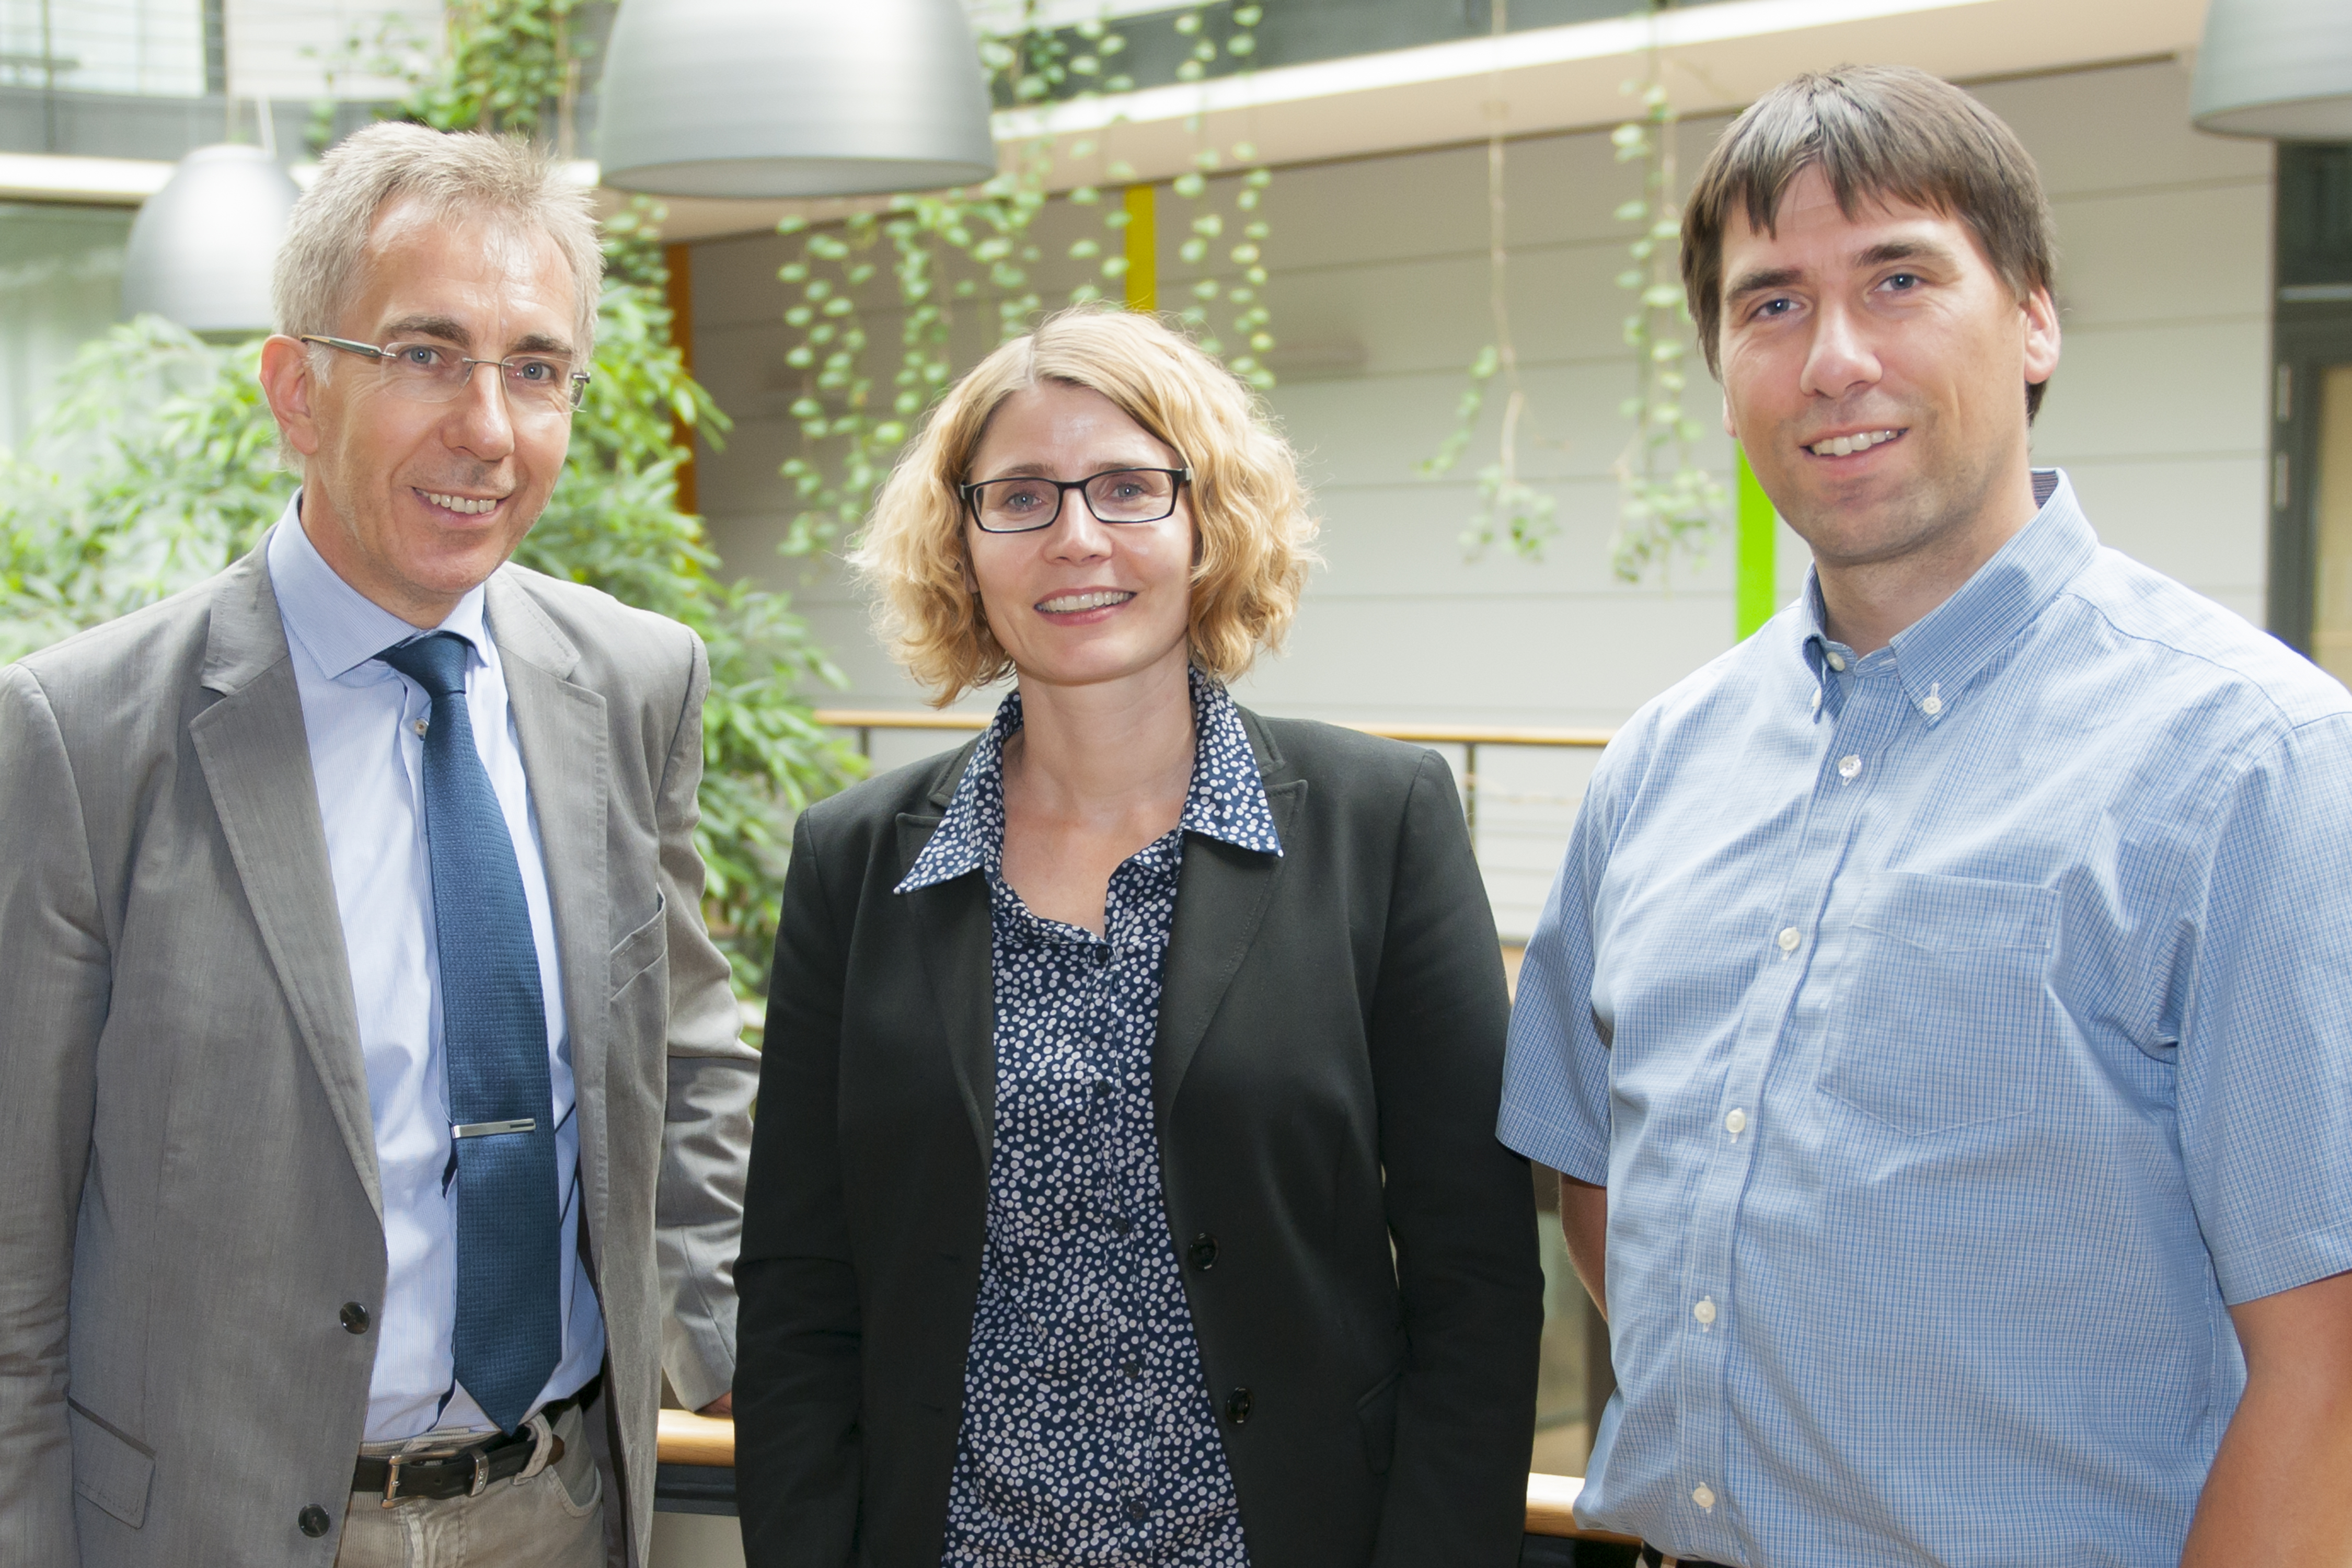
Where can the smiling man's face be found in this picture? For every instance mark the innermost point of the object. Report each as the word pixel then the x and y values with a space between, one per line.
pixel 1874 371
pixel 415 503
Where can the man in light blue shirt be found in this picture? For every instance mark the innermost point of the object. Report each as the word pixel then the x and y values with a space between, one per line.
pixel 365 725
pixel 1943 1019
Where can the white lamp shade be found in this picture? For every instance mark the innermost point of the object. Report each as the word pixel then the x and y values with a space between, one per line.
pixel 2281 69
pixel 201 248
pixel 793 97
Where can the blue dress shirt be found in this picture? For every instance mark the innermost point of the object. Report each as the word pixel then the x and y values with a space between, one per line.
pixel 1088 1438
pixel 362 719
pixel 1958 1030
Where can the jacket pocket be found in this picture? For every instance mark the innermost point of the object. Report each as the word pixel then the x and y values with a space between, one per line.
pixel 1943 1015
pixel 1376 1418
pixel 110 1469
pixel 641 948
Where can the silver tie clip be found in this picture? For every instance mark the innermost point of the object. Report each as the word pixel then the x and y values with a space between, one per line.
pixel 493 1128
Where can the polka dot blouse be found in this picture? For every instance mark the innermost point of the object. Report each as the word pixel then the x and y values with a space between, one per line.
pixel 1088 1436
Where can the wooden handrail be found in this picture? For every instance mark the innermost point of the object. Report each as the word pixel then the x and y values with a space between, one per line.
pixel 690 1439
pixel 1427 735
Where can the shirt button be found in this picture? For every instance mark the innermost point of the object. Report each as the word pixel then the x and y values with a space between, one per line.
pixel 422 725
pixel 1137 1510
pixel 1705 1310
pixel 1789 939
pixel 1736 1123
pixel 1102 1088
pixel 1817 699
pixel 1703 1495
pixel 1134 1370
pixel 1849 766
pixel 1837 661
pixel 1932 706
pixel 1122 1224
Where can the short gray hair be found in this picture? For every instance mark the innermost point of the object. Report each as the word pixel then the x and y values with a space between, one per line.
pixel 455 175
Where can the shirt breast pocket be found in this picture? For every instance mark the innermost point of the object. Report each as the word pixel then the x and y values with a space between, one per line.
pixel 1942 1017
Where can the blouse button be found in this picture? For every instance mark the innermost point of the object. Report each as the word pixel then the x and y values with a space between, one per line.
pixel 1122 1224
pixel 1137 1510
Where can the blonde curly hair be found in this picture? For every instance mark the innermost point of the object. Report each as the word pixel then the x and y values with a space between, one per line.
pixel 1252 530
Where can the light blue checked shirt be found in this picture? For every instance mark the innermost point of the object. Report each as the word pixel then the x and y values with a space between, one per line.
pixel 1957 1030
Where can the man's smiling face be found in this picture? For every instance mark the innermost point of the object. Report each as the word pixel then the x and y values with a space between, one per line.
pixel 1874 371
pixel 414 503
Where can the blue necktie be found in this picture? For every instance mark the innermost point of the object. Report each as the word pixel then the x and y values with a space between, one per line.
pixel 510 1331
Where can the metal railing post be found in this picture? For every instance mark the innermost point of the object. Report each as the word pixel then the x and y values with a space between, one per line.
pixel 1470 791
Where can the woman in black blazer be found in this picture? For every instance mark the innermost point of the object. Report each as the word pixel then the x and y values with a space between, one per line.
pixel 1124 1189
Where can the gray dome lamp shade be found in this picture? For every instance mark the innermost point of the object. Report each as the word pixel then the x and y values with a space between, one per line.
pixel 201 248
pixel 2281 69
pixel 793 97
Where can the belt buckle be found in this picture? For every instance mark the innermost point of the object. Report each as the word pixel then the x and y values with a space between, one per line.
pixel 481 1471
pixel 391 1478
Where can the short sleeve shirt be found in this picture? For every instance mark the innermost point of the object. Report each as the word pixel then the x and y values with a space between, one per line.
pixel 1088 1437
pixel 1958 1030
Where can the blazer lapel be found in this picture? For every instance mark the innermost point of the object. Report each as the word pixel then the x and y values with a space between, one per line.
pixel 952 920
pixel 563 731
pixel 256 757
pixel 1220 898
pixel 955 930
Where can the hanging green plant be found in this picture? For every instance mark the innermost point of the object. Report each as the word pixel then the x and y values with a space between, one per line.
pixel 1669 504
pixel 974 251
pixel 1508 507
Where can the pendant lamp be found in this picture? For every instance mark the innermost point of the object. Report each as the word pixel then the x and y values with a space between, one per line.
pixel 201 248
pixel 2281 69
pixel 793 97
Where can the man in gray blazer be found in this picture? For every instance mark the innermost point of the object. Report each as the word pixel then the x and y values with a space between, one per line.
pixel 372 1111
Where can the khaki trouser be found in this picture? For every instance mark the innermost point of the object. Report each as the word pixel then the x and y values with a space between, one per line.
pixel 550 1517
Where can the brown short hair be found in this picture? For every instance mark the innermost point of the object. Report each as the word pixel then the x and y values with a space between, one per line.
pixel 1252 530
pixel 1877 133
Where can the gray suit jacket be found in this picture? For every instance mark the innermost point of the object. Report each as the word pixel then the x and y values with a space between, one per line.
pixel 188 1190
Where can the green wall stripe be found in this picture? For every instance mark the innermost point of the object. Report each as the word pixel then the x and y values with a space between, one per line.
pixel 1754 596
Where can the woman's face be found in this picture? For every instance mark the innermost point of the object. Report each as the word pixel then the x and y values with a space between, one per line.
pixel 1079 602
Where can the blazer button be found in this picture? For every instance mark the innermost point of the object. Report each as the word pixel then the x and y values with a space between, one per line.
pixel 313 1521
pixel 355 1318
pixel 1203 1252
pixel 1237 1407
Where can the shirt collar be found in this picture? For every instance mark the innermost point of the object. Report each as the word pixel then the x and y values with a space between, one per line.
pixel 342 627
pixel 1941 654
pixel 1227 799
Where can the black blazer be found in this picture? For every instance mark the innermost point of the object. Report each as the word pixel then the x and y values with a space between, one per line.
pixel 1327 1073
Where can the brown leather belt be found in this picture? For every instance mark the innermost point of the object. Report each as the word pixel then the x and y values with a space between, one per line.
pixel 466 1472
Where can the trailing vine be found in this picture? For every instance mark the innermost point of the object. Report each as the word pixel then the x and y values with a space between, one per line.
pixel 1508 506
pixel 973 251
pixel 1669 504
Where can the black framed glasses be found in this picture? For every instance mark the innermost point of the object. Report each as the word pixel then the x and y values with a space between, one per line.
pixel 1116 495
pixel 427 372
